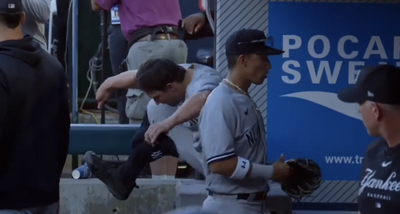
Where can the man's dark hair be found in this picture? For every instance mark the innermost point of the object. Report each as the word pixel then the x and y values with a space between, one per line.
pixel 155 74
pixel 11 20
pixel 232 59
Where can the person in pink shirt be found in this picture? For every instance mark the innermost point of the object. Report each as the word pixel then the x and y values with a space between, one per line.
pixel 151 27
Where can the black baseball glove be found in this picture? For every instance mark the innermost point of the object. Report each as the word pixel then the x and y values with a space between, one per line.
pixel 305 177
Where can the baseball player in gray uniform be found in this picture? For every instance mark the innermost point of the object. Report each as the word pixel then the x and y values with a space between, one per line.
pixel 178 92
pixel 177 99
pixel 232 131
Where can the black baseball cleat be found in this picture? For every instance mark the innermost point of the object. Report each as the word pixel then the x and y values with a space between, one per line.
pixel 110 175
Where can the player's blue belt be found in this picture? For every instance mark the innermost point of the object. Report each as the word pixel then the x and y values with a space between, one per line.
pixel 258 196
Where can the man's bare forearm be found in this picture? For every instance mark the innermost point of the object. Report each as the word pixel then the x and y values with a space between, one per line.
pixel 190 109
pixel 124 80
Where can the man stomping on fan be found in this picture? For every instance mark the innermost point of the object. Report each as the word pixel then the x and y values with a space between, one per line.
pixel 170 85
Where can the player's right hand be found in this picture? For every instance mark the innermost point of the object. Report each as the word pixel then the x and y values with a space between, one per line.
pixel 103 93
pixel 281 170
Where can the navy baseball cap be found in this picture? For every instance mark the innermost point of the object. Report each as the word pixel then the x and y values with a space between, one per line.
pixel 11 6
pixel 379 84
pixel 249 41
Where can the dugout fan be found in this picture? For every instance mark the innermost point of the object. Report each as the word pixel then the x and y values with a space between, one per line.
pixel 34 119
pixel 377 91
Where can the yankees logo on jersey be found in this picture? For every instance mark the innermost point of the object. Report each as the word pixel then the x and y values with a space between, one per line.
pixel 379 190
pixel 253 135
pixel 372 184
